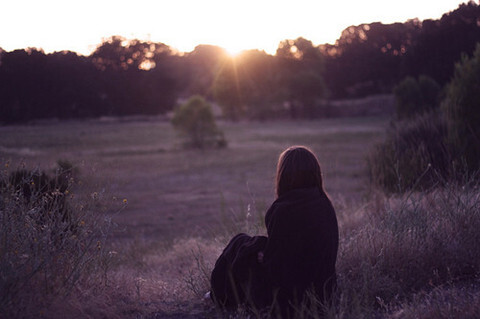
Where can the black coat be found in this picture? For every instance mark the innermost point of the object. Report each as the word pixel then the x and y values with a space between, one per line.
pixel 299 253
pixel 302 245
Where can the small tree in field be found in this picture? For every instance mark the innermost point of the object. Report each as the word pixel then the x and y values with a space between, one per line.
pixel 196 122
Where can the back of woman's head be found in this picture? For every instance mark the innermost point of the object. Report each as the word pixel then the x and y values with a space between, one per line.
pixel 297 167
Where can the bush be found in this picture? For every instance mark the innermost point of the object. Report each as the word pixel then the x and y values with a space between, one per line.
pixel 414 97
pixel 412 156
pixel 431 92
pixel 445 144
pixel 462 106
pixel 47 244
pixel 195 120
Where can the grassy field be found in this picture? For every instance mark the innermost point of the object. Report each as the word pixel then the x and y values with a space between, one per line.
pixel 175 193
pixel 183 205
pixel 173 210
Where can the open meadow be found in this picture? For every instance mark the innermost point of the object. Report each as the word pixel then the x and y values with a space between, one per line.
pixel 175 193
pixel 179 200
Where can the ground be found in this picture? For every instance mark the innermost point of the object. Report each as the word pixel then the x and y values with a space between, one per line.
pixel 181 201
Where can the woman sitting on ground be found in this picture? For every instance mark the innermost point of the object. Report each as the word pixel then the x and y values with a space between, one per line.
pixel 275 273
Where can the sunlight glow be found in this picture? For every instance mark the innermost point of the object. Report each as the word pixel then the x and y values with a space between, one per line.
pixel 233 49
pixel 147 65
pixel 80 26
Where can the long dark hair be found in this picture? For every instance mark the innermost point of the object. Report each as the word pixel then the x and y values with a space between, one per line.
pixel 298 167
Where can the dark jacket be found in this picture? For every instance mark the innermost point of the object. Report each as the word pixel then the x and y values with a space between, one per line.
pixel 238 277
pixel 302 245
pixel 299 254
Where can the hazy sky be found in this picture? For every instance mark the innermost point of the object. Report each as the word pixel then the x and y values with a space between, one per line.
pixel 182 24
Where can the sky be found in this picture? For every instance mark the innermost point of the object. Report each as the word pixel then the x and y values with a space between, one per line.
pixel 80 26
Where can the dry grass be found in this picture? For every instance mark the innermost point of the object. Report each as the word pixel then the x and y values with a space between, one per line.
pixel 412 251
pixel 176 193
pixel 49 243
pixel 456 302
pixel 406 256
pixel 400 257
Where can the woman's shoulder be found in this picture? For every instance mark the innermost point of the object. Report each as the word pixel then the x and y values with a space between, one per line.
pixel 302 197
pixel 297 201
pixel 311 201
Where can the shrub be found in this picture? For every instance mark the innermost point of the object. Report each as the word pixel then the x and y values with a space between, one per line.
pixel 462 106
pixel 413 154
pixel 414 97
pixel 407 94
pixel 430 91
pixel 431 144
pixel 47 244
pixel 195 120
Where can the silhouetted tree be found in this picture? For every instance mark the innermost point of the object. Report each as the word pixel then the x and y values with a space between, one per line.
pixel 373 58
pixel 259 82
pixel 35 86
pixel 227 90
pixel 368 58
pixel 123 77
pixel 248 85
pixel 199 68
pixel 136 77
pixel 440 43
pixel 120 78
pixel 301 70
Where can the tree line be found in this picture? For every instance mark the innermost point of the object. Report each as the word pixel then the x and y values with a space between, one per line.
pixel 124 77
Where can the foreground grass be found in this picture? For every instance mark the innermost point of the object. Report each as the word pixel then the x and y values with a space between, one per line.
pixel 413 256
pixel 414 252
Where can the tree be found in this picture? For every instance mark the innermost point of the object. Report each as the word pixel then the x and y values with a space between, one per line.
pixel 195 120
pixel 135 75
pixel 120 78
pixel 439 43
pixel 34 85
pixel 462 107
pixel 372 58
pixel 227 89
pixel 199 68
pixel 247 85
pixel 300 66
pixel 258 83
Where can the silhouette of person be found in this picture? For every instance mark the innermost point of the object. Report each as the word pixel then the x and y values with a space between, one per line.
pixel 276 273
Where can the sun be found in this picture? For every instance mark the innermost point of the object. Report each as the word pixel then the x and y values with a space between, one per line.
pixel 233 49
